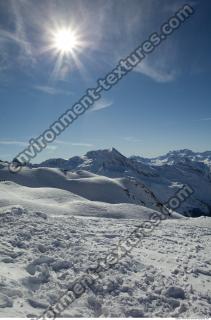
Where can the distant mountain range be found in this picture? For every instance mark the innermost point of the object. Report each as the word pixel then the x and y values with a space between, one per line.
pixel 178 156
pixel 96 158
pixel 136 180
pixel 162 175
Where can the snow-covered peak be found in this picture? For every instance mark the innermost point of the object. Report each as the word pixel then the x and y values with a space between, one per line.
pixel 108 162
pixel 177 156
pixel 159 177
pixel 73 162
pixel 105 154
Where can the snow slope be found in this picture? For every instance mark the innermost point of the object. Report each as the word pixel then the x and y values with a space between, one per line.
pixel 173 174
pixel 85 184
pixel 162 176
pixel 56 223
pixel 58 202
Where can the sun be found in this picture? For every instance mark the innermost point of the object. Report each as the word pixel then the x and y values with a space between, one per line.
pixel 65 44
pixel 65 41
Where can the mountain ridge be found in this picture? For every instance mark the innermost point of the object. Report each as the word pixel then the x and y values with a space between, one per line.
pixel 130 177
pixel 167 158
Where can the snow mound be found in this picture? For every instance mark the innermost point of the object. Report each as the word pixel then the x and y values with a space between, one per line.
pixel 57 202
pixel 84 184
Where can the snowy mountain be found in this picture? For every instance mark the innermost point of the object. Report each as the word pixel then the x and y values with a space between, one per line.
pixel 85 184
pixel 57 219
pixel 177 156
pixel 182 167
pixel 108 162
pixel 162 176
pixel 108 176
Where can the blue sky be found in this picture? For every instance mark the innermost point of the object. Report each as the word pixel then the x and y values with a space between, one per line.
pixel 165 104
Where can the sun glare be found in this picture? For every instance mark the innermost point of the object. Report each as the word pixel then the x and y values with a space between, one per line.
pixel 65 41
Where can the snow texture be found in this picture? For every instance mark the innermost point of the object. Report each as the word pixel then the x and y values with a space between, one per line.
pixel 55 223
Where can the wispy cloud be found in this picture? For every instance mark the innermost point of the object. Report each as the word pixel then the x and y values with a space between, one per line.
pixel 13 142
pixel 76 144
pixel 205 119
pixel 20 31
pixel 157 73
pixel 101 104
pixel 51 90
pixel 81 144
pixel 31 24
pixel 190 121
pixel 15 33
pixel 51 147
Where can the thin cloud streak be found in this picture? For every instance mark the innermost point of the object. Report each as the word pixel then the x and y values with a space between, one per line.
pixel 13 142
pixel 128 26
pixel 20 31
pixel 51 147
pixel 76 144
pixel 205 119
pixel 17 36
pixel 157 74
pixel 81 144
pixel 51 90
pixel 101 104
